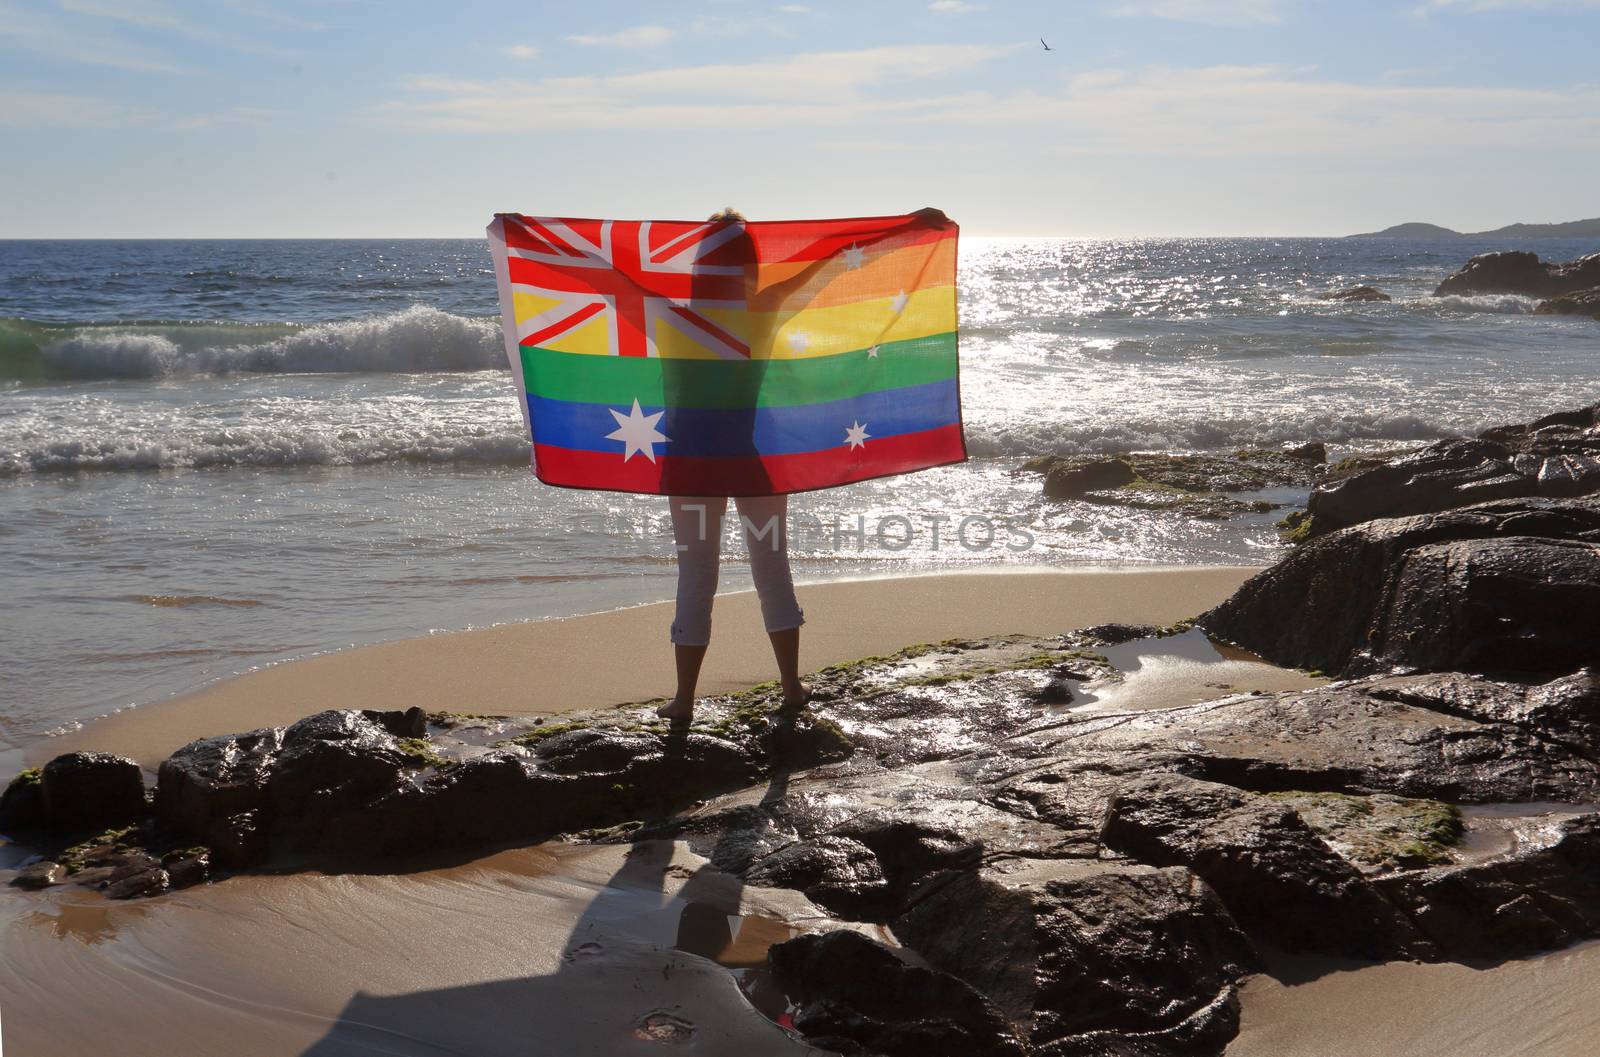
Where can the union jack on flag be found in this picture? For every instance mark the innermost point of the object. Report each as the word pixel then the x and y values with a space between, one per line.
pixel 633 275
pixel 727 357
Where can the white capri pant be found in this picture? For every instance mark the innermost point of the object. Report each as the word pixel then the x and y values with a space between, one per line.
pixel 697 528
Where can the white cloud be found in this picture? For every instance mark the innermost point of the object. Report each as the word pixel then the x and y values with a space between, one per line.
pixel 1218 111
pixel 253 116
pixel 1272 111
pixel 522 51
pixel 49 36
pixel 27 109
pixel 954 7
pixel 287 21
pixel 22 109
pixel 794 9
pixel 147 13
pixel 1209 12
pixel 632 37
pixel 156 15
pixel 1509 5
pixel 810 88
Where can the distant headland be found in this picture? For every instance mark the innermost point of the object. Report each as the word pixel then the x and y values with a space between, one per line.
pixel 1572 229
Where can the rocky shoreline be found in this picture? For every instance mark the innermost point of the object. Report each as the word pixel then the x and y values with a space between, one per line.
pixel 1062 880
pixel 1571 288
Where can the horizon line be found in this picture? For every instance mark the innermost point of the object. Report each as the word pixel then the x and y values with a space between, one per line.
pixel 965 234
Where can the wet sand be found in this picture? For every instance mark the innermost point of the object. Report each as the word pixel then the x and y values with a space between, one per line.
pixel 554 949
pixel 623 655
pixel 1547 1006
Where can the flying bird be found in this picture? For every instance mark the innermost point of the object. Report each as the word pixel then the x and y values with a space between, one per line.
pixel 1046 46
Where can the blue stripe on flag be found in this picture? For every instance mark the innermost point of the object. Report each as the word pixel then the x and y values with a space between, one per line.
pixel 694 431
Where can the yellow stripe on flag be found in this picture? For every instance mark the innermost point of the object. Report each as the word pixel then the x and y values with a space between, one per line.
pixel 790 335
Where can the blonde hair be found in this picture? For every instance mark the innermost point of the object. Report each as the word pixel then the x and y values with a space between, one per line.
pixel 728 213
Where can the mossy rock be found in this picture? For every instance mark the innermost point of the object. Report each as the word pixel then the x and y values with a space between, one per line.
pixel 422 753
pixel 1381 832
pixel 1295 527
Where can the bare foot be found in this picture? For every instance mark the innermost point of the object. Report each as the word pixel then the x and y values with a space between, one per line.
pixel 677 709
pixel 797 701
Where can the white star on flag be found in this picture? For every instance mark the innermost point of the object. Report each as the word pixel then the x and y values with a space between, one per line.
pixel 856 436
pixel 900 300
pixel 872 353
pixel 854 256
pixel 798 340
pixel 637 431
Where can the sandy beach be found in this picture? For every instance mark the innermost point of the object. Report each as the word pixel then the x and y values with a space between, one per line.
pixel 573 947
pixel 623 655
pixel 1535 1007
pixel 500 932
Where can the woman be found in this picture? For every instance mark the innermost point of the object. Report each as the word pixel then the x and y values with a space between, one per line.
pixel 697 531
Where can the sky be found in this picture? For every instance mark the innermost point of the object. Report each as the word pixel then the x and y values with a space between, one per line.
pixel 394 118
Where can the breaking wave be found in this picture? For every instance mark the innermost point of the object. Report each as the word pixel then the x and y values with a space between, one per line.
pixel 416 339
pixel 314 446
pixel 1499 304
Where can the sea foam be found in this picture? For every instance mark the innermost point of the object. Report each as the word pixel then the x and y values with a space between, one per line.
pixel 416 339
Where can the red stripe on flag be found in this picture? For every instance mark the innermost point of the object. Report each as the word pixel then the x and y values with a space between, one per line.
pixel 696 320
pixel 753 475
pixel 782 241
pixel 561 326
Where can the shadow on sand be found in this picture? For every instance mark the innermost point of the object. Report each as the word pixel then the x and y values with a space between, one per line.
pixel 642 966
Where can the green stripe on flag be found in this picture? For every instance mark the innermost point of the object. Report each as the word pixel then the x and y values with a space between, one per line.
pixel 621 380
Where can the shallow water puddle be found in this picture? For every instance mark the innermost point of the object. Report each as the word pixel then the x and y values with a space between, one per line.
pixel 1177 670
pixel 1494 831
pixel 89 923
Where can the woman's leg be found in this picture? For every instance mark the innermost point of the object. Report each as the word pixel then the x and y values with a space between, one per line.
pixel 697 532
pixel 765 520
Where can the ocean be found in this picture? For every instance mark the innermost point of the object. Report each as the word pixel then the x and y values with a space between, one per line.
pixel 221 454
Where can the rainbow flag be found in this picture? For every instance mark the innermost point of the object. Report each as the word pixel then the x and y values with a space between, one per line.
pixel 731 357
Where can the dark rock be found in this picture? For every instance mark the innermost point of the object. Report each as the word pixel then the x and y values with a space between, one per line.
pixel 1194 485
pixel 1311 451
pixel 44 874
pixel 852 990
pixel 131 864
pixel 22 806
pixel 1565 709
pixel 1356 293
pixel 85 792
pixel 345 784
pixel 1339 738
pixel 836 872
pixel 328 766
pixel 1578 303
pixel 1538 898
pixel 1276 876
pixel 215 790
pixel 1449 474
pixel 1072 481
pixel 1066 948
pixel 1241 471
pixel 185 869
pixel 93 877
pixel 1508 586
pixel 145 883
pixel 1556 456
pixel 410 723
pixel 1520 272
